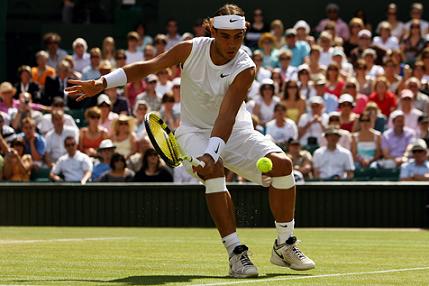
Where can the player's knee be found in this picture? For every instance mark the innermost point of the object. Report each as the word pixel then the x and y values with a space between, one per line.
pixel 215 185
pixel 282 165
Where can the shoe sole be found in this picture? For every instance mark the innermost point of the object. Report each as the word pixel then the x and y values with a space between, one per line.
pixel 280 262
pixel 243 275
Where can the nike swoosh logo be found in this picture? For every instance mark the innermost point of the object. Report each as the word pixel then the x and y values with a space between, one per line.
pixel 224 75
pixel 232 20
pixel 217 149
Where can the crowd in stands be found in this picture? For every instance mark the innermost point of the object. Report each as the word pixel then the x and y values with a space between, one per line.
pixel 344 99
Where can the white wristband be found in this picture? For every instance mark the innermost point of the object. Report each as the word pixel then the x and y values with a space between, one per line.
pixel 116 78
pixel 215 147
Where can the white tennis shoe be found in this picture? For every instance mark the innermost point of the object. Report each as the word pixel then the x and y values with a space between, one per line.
pixel 240 265
pixel 288 255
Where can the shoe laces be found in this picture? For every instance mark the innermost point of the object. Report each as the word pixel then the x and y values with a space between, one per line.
pixel 298 253
pixel 244 259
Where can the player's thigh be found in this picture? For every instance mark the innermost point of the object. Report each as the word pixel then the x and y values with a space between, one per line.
pixel 243 150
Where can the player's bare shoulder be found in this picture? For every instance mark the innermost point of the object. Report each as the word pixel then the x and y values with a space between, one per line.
pixel 182 50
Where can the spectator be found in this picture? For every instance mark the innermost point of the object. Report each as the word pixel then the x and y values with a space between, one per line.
pixel 173 37
pixel 119 103
pixel 348 117
pixel 133 89
pixel 145 39
pixel 168 114
pixel 149 52
pixel 384 99
pixel 306 88
pixel 302 160
pixel 364 81
pixel 332 12
pixel 123 135
pixel 425 60
pixel 334 122
pixel 56 54
pixel 118 170
pixel 73 73
pixel 300 50
pixel 150 95
pixel 55 138
pixel 277 30
pixel 198 28
pixel 355 26
pixel 164 84
pixel 257 27
pixel 311 125
pixel 333 161
pixel 26 84
pixel 281 129
pixel 34 143
pixel 9 106
pixel 359 99
pixel 140 110
pixel 413 42
pixel 42 70
pixel 294 103
pixel 108 50
pixel 287 71
pixel 105 152
pixel 133 54
pixel 345 68
pixel 17 164
pixel 93 70
pixel 397 26
pixel 107 116
pixel 80 55
pixel 23 110
pixel 152 169
pixel 261 72
pixel 330 101
pixel 386 40
pixel 45 125
pixel 416 13
pixel 316 70
pixel 7 133
pixel 411 114
pixel 120 58
pixel 365 42
pixel 55 86
pixel 74 166
pixel 160 44
pixel 334 84
pixel 378 120
pixel 421 100
pixel 303 32
pixel 395 141
pixel 325 42
pixel 394 80
pixel 264 104
pixel 423 131
pixel 278 81
pixel 416 169
pixel 90 137
pixel 366 143
pixel 372 69
pixel 270 55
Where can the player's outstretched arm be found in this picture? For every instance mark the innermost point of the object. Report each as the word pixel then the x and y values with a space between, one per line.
pixel 132 72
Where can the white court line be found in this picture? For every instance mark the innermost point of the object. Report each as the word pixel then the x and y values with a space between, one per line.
pixel 15 241
pixel 314 276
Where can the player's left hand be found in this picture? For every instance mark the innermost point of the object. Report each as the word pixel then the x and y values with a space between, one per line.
pixel 84 88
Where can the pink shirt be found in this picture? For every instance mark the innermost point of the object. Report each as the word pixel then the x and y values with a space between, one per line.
pixel 15 104
pixel 360 103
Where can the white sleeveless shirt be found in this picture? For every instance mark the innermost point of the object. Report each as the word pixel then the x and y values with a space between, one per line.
pixel 204 84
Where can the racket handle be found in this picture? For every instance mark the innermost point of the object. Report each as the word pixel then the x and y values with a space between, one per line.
pixel 195 162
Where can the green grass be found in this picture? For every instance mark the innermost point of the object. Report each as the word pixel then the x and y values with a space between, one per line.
pixel 167 256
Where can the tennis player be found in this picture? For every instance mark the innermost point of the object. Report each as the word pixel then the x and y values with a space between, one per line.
pixel 217 129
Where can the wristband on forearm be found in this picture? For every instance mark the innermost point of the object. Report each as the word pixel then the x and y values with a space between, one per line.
pixel 116 78
pixel 215 147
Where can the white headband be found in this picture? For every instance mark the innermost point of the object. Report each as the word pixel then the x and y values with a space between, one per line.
pixel 229 22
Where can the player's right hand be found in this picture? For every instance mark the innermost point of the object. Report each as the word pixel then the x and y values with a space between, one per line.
pixel 84 88
pixel 209 168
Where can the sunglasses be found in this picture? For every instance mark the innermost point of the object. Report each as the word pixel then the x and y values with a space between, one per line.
pixel 95 117
pixel 70 144
pixel 285 59
pixel 123 122
pixel 121 58
pixel 418 151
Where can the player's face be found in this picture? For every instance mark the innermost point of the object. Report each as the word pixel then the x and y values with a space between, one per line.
pixel 228 42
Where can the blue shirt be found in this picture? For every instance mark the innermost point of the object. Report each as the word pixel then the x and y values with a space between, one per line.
pixel 89 73
pixel 299 52
pixel 99 170
pixel 331 102
pixel 411 169
pixel 39 142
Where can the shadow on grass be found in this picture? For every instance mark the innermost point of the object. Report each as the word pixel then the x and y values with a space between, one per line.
pixel 155 279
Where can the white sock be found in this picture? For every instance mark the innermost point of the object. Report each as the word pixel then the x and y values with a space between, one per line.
pixel 230 242
pixel 284 231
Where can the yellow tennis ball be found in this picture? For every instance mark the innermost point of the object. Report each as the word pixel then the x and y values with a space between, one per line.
pixel 264 164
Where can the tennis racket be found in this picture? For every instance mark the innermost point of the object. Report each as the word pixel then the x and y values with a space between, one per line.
pixel 164 142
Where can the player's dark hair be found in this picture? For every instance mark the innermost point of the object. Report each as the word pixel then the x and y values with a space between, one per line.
pixel 227 9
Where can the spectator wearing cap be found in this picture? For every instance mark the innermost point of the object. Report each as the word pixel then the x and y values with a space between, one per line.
pixel 42 70
pixel 80 55
pixel 164 84
pixel 306 88
pixel 303 32
pixel 26 84
pixel 417 168
pixel 277 30
pixel 302 160
pixel 140 110
pixel 270 55
pixel 347 116
pixel 333 161
pixel 332 13
pixel 385 39
pixel 56 54
pixel 360 100
pixel 123 135
pixel 107 116
pixel 6 132
pixel 338 57
pixel 421 100
pixel 118 170
pixel 93 70
pixel 17 164
pixel 105 153
pixel 325 41
pixel 355 26
pixel 395 141
pixel 398 27
pixel 281 129
pixel 287 71
pixel 316 70
pixel 369 56
pixel 384 99
pixel 9 105
pixel 300 50
pixel 261 72
pixel 423 131
pixel 330 101
pixel 133 54
pixel 45 124
pixel 335 83
pixel 34 143
pixel 90 137
pixel 416 13
pixel 119 103
pixel 411 114
pixel 75 166
pixel 293 100
pixel 265 103
pixel 150 95
pixel 312 124
pixel 55 138
pixel 365 42
pixel 173 37
pixel 366 143
pixel 334 122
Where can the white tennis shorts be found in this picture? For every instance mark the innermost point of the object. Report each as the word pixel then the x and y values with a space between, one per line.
pixel 241 152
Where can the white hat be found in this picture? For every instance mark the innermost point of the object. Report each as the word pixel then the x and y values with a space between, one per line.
pixel 316 100
pixel 334 114
pixel 406 93
pixel 267 81
pixel 103 98
pixel 302 24
pixel 176 81
pixel 364 33
pixel 396 113
pixel 151 78
pixel 106 144
pixel 346 98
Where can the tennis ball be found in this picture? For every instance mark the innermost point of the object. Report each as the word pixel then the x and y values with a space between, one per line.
pixel 264 164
